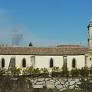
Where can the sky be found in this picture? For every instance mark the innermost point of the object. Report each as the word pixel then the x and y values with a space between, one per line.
pixel 45 22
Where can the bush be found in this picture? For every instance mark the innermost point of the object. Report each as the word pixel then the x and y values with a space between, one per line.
pixel 75 72
pixel 13 71
pixel 30 71
pixel 84 72
pixel 36 71
pixel 44 70
pixel 55 69
pixel 86 85
pixel 56 72
pixel 2 71
pixel 27 71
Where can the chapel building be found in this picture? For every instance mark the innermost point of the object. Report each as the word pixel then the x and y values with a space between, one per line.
pixel 72 56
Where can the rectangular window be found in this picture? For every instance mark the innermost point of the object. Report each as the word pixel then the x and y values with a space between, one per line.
pixel 64 61
pixel 86 60
pixel 33 60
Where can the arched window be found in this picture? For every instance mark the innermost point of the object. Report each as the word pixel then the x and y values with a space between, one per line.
pixel 74 63
pixel 12 62
pixel 51 63
pixel 3 63
pixel 24 62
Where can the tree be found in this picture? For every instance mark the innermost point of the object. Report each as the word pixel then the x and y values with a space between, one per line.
pixel 30 44
pixel 65 71
pixel 90 70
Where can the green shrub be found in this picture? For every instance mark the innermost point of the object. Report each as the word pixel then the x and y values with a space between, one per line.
pixel 55 69
pixel 84 72
pixel 56 72
pixel 75 72
pixel 13 71
pixel 86 85
pixel 44 70
pixel 28 71
pixel 31 71
pixel 2 71
pixel 36 71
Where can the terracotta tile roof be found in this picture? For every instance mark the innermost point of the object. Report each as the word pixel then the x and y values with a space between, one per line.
pixel 42 51
pixel 70 46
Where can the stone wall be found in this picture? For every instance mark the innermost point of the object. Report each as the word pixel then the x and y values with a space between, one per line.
pixel 20 84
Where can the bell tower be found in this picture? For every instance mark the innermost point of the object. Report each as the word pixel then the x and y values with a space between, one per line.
pixel 90 35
